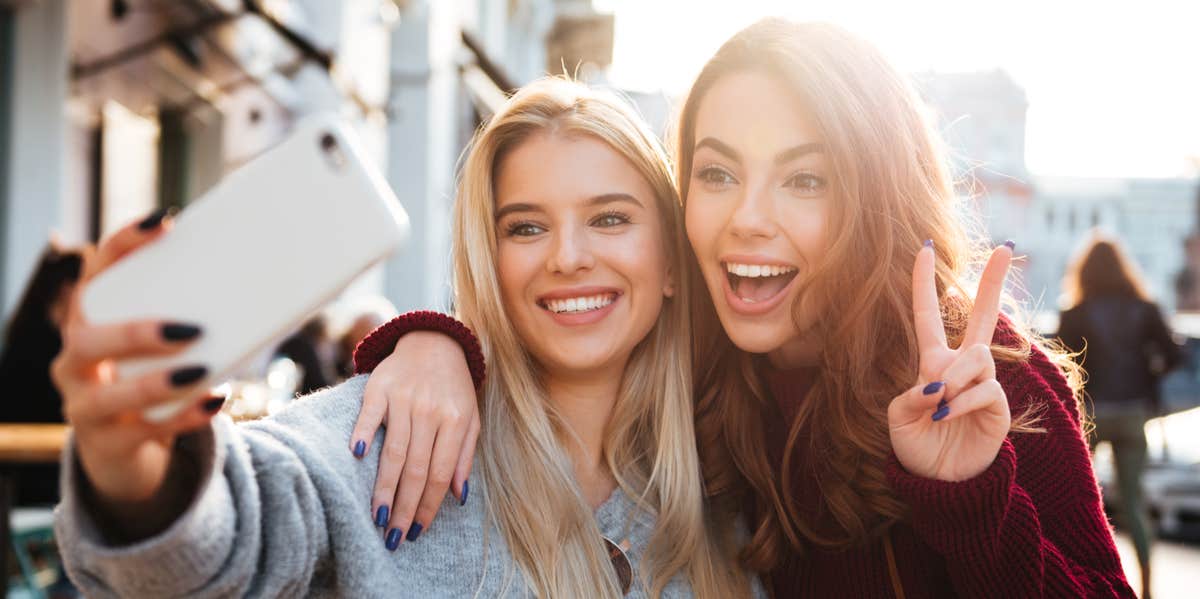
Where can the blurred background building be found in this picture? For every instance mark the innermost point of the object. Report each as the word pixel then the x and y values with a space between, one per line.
pixel 114 107
pixel 982 117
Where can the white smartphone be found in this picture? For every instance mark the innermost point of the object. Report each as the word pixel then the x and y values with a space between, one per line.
pixel 258 254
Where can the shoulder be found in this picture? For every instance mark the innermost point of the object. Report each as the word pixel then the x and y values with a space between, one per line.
pixel 332 408
pixel 1034 381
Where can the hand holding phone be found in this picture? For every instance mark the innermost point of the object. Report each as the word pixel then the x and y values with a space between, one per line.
pixel 259 253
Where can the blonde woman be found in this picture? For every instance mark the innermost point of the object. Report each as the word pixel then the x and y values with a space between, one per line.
pixel 567 257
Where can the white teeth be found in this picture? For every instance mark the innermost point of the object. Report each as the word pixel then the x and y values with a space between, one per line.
pixel 757 270
pixel 579 304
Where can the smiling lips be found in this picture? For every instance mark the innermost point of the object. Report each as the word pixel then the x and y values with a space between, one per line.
pixel 756 288
pixel 579 306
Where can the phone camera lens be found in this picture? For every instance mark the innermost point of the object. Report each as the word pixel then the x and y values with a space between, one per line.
pixel 328 142
pixel 332 151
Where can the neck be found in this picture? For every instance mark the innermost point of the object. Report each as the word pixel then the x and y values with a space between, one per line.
pixel 798 352
pixel 586 404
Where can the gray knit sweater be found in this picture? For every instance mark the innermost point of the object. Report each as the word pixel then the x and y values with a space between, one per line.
pixel 284 511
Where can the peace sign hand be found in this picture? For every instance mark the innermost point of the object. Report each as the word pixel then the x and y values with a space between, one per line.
pixel 950 425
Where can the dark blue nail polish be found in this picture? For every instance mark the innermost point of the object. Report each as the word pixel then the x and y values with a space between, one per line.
pixel 466 491
pixel 1012 245
pixel 360 449
pixel 214 404
pixel 187 375
pixel 942 403
pixel 393 539
pixel 381 516
pixel 178 331
pixel 153 221
pixel 933 387
pixel 941 413
pixel 414 531
pixel 928 243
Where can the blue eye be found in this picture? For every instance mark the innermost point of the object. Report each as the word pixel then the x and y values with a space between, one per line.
pixel 610 219
pixel 805 183
pixel 715 176
pixel 524 229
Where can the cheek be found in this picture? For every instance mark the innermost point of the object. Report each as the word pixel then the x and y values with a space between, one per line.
pixel 700 226
pixel 516 265
pixel 806 226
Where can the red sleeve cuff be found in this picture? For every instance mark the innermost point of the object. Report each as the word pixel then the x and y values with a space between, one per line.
pixel 382 341
pixel 959 506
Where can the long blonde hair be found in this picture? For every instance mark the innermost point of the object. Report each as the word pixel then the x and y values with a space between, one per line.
pixel 893 192
pixel 649 444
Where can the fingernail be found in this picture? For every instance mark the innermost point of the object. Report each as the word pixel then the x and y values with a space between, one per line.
pixel 178 331
pixel 933 387
pixel 360 448
pixel 466 490
pixel 393 539
pixel 381 516
pixel 928 243
pixel 414 531
pixel 942 403
pixel 214 404
pixel 153 221
pixel 942 412
pixel 1012 245
pixel 187 375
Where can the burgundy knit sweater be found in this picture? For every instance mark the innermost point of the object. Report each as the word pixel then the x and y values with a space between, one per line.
pixel 1031 525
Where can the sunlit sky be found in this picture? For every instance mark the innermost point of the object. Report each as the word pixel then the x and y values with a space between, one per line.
pixel 1113 87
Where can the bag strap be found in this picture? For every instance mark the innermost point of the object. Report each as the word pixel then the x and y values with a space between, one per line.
pixel 897 585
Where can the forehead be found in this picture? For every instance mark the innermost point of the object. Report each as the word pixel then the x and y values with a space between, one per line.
pixel 557 168
pixel 756 114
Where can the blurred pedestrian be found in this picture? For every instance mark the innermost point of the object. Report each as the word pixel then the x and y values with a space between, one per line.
pixel 367 313
pixel 1126 347
pixel 312 349
pixel 30 344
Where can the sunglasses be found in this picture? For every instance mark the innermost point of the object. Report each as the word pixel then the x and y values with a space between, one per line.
pixel 622 567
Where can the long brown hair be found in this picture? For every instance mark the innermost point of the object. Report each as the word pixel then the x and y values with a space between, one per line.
pixel 893 192
pixel 1103 268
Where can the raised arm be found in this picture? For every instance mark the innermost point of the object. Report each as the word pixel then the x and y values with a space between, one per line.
pixel 1012 513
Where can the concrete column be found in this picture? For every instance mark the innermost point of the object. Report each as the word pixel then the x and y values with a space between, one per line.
pixel 423 145
pixel 37 140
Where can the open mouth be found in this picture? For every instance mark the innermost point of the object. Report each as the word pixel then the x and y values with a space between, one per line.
pixel 578 305
pixel 757 283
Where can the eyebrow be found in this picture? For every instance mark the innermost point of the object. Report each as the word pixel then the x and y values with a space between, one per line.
pixel 783 157
pixel 600 200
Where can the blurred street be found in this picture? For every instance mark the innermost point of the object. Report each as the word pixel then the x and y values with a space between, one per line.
pixel 1175 571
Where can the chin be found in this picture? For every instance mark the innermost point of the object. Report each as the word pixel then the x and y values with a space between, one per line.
pixel 755 338
pixel 579 359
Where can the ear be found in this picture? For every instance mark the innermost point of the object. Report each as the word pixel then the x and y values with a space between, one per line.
pixel 669 284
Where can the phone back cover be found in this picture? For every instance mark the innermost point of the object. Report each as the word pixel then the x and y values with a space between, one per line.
pixel 259 253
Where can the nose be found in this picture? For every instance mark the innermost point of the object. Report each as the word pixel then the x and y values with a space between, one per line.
pixel 754 215
pixel 572 252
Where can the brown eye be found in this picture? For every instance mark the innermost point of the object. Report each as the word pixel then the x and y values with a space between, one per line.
pixel 716 176
pixel 805 183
